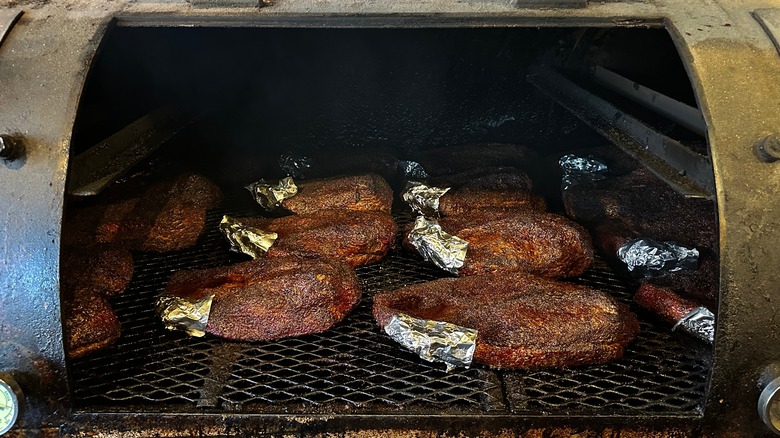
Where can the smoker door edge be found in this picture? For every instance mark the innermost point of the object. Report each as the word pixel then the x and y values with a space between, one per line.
pixel 43 64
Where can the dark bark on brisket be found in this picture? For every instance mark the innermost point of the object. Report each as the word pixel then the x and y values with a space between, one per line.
pixel 544 244
pixel 664 302
pixel 168 216
pixel 357 238
pixel 88 277
pixel 511 190
pixel 646 206
pixel 369 192
pixel 454 159
pixel 272 298
pixel 522 321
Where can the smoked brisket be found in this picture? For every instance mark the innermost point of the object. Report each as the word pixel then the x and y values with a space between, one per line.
pixel 88 277
pixel 523 321
pixel 271 298
pixel 167 216
pixel 369 192
pixel 544 244
pixel 357 238
pixel 455 159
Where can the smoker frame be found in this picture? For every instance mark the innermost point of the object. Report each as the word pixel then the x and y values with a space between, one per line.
pixel 733 66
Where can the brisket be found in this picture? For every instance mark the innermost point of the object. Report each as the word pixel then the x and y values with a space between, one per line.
pixel 357 238
pixel 369 192
pixel 511 190
pixel 88 277
pixel 455 159
pixel 522 321
pixel 544 244
pixel 271 298
pixel 167 216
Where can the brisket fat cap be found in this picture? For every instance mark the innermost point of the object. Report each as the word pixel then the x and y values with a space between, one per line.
pixel 369 192
pixel 357 238
pixel 523 321
pixel 267 299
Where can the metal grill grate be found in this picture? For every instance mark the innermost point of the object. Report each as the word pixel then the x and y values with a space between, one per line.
pixel 356 368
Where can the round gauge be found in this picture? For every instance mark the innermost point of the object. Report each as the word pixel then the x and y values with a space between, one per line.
pixel 10 398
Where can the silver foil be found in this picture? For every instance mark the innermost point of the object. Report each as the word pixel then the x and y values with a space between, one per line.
pixel 248 240
pixel 190 316
pixel 651 258
pixel 412 170
pixel 443 250
pixel 424 199
pixel 577 170
pixel 270 196
pixel 297 166
pixel 699 322
pixel 434 341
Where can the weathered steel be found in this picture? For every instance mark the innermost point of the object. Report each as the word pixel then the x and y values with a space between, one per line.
pixel 770 20
pixel 8 18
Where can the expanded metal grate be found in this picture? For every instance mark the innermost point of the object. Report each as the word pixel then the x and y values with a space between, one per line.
pixel 355 367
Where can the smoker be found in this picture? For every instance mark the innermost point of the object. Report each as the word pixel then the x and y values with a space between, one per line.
pixel 94 92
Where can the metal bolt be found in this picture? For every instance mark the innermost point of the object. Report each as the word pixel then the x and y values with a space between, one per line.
pixel 768 148
pixel 10 147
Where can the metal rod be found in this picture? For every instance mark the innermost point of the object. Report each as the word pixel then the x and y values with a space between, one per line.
pixel 673 110
pixel 687 172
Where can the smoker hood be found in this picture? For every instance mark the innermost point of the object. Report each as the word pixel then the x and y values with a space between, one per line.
pixel 729 49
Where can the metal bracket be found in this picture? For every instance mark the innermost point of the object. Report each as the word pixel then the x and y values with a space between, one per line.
pixel 8 17
pixel 685 171
pixel 95 169
pixel 769 19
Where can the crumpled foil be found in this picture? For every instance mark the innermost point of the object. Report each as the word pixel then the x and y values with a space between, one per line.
pixel 296 166
pixel 190 316
pixel 412 170
pixel 248 240
pixel 699 322
pixel 577 170
pixel 270 196
pixel 434 341
pixel 651 258
pixel 424 199
pixel 443 250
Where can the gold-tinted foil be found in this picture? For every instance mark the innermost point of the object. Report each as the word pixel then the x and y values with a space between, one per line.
pixel 434 245
pixel 270 196
pixel 424 199
pixel 190 316
pixel 434 341
pixel 248 240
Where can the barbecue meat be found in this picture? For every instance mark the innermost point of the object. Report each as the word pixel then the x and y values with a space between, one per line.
pixel 645 206
pixel 522 321
pixel 168 216
pixel 544 244
pixel 369 192
pixel 88 277
pixel 271 298
pixel 504 190
pixel 455 159
pixel 663 302
pixel 106 271
pixel 89 323
pixel 357 238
